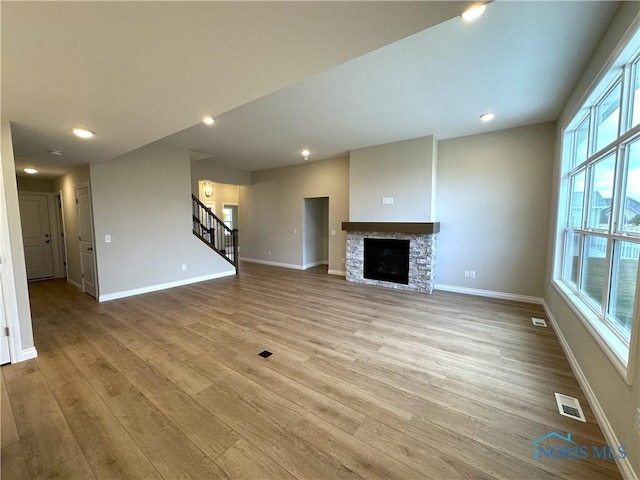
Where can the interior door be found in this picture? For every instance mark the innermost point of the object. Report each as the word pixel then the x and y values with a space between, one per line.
pixel 85 227
pixel 36 234
pixel 5 356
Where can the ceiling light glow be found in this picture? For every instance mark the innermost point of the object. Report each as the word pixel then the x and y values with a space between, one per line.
pixel 57 153
pixel 208 120
pixel 30 171
pixel 474 12
pixel 487 117
pixel 82 133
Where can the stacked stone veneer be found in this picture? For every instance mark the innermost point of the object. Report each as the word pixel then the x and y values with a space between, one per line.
pixel 422 253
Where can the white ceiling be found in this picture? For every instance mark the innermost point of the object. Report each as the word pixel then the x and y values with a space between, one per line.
pixel 520 61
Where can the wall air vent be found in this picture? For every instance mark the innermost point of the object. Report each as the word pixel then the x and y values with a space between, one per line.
pixel 569 407
pixel 538 322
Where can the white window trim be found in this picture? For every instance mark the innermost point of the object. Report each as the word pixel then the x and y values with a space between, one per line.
pixel 613 348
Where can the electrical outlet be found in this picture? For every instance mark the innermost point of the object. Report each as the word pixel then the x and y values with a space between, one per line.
pixel 184 267
pixel 294 231
pixel 472 274
pixel 466 274
pixel 333 232
pixel 638 421
pixel 268 252
pixel 343 261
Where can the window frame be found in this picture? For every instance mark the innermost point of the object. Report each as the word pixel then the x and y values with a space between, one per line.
pixel 607 329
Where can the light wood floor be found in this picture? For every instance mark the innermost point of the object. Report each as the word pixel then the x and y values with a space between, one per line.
pixel 363 382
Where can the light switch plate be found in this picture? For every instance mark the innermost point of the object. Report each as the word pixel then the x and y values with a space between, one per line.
pixel 107 239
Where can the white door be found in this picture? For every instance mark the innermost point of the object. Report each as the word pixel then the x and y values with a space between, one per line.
pixel 36 234
pixel 4 338
pixel 85 227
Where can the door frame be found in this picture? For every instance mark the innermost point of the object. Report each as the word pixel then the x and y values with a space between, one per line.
pixel 61 234
pixel 93 233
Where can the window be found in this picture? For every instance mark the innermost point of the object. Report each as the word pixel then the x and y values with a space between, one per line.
pixel 597 265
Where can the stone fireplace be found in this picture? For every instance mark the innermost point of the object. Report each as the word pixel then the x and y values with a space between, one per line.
pixel 420 238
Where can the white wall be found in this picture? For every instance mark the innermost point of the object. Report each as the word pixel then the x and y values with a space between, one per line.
pixel 67 184
pixel 272 209
pixel 617 400
pixel 13 272
pixel 493 204
pixel 402 170
pixel 143 200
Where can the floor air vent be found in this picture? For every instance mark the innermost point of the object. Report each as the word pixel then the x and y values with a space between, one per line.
pixel 538 322
pixel 569 407
pixel 265 353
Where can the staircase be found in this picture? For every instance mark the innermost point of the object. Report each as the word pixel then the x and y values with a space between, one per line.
pixel 213 231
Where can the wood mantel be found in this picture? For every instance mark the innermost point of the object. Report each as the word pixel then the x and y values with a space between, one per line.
pixel 392 227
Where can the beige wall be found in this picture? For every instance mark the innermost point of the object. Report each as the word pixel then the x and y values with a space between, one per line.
pixel 222 193
pixel 272 211
pixel 402 170
pixel 143 200
pixel 13 272
pixel 67 185
pixel 617 399
pixel 493 199
pixel 33 184
pixel 208 170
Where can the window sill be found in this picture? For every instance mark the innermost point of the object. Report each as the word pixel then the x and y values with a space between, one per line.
pixel 614 349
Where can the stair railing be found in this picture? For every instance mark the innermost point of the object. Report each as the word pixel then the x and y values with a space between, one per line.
pixel 214 232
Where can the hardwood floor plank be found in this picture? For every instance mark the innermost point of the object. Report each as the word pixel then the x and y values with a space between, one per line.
pixel 8 429
pixel 13 464
pixel 291 452
pixel 364 382
pixel 75 468
pixel 44 433
pixel 244 461
pixel 171 452
pixel 106 445
pixel 414 453
pixel 197 423
pixel 352 452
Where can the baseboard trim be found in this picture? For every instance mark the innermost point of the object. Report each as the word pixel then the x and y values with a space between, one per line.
pixel 27 354
pixel 272 264
pixel 75 284
pixel 337 272
pixel 489 293
pixel 312 264
pixel 624 464
pixel 163 286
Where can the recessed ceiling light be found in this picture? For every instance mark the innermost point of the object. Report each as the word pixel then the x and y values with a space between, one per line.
pixel 208 120
pixel 57 153
pixel 82 133
pixel 30 171
pixel 487 117
pixel 474 12
pixel 305 153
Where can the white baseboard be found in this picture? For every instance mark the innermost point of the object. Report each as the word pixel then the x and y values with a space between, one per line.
pixel 26 354
pixel 163 286
pixel 624 464
pixel 312 264
pixel 337 272
pixel 75 284
pixel 273 264
pixel 489 293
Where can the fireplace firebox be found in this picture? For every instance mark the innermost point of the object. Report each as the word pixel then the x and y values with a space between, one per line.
pixel 386 260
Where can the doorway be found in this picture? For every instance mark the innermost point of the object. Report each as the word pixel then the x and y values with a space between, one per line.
pixel 315 232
